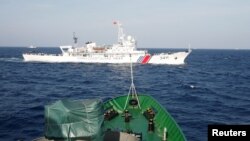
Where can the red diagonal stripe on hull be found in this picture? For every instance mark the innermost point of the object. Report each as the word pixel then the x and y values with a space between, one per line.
pixel 146 59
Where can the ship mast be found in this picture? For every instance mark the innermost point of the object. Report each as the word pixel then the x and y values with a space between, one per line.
pixel 189 48
pixel 121 34
pixel 75 39
pixel 134 100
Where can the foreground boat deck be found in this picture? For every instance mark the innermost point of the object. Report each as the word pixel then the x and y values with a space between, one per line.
pixel 121 123
pixel 139 123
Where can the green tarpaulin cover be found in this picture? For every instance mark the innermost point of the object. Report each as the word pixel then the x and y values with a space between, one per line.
pixel 73 119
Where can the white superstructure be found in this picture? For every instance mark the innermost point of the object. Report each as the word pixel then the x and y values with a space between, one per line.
pixel 123 52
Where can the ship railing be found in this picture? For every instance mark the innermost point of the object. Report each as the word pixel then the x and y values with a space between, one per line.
pixel 105 53
pixel 168 53
pixel 43 54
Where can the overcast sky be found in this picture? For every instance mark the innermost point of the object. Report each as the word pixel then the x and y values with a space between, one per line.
pixel 154 23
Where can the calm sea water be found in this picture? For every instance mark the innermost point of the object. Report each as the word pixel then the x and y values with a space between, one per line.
pixel 213 87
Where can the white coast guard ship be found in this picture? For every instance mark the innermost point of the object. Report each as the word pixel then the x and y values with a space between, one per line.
pixel 122 52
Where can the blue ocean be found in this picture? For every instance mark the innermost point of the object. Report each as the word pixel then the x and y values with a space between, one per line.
pixel 213 87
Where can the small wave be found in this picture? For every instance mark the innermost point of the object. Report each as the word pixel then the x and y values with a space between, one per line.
pixel 192 86
pixel 188 86
pixel 12 59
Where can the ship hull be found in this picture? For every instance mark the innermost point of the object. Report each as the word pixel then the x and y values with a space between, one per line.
pixel 81 59
pixel 172 59
pixel 177 58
